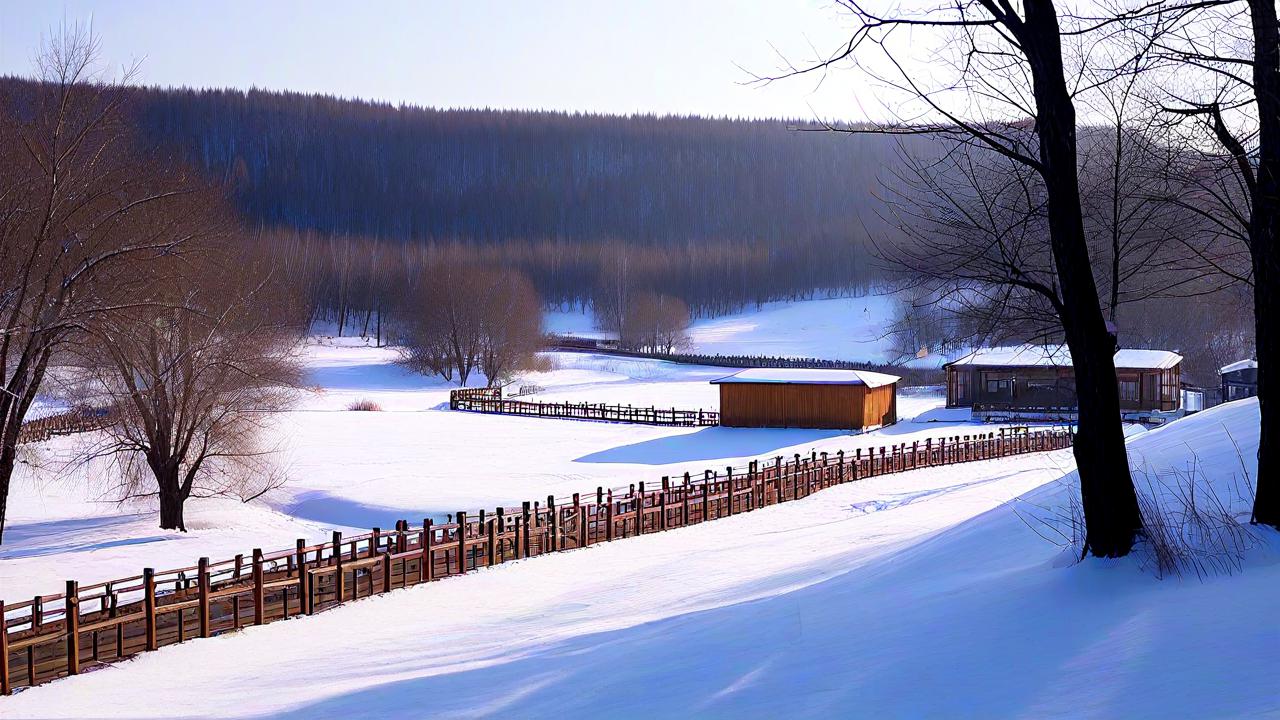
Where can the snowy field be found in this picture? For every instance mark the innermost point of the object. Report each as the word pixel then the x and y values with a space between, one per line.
pixel 927 594
pixel 836 329
pixel 355 470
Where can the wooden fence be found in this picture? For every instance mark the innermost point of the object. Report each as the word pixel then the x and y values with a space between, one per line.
pixel 910 375
pixel 490 400
pixel 52 636
pixel 67 423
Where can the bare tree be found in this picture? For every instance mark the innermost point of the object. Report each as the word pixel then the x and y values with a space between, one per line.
pixel 467 318
pixel 511 325
pixel 656 322
pixel 1224 58
pixel 1014 57
pixel 193 375
pixel 71 251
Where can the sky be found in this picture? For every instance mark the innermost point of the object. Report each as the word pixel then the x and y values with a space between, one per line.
pixel 652 56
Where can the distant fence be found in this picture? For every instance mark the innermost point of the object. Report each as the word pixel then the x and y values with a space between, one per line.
pixel 490 400
pixel 67 423
pixel 910 376
pixel 52 636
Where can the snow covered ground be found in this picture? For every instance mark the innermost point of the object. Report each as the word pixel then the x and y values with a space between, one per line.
pixel 926 594
pixel 835 328
pixel 351 470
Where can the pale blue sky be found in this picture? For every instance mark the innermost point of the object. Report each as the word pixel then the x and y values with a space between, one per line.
pixel 662 56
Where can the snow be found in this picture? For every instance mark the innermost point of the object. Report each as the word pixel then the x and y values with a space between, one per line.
pixel 847 328
pixel 1059 355
pixel 351 470
pixel 1239 365
pixel 805 376
pixel 926 594
pixel 1147 359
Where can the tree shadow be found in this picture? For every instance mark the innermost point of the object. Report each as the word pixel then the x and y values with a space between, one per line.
pixel 710 444
pixel 319 506
pixel 54 537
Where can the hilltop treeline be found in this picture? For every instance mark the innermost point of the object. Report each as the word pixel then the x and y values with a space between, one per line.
pixel 408 173
pixel 719 213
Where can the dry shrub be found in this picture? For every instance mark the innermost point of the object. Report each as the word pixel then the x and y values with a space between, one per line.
pixel 540 363
pixel 364 405
pixel 1191 526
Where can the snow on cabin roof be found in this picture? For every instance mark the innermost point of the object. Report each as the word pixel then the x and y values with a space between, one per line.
pixel 1147 359
pixel 809 376
pixel 1059 355
pixel 1239 365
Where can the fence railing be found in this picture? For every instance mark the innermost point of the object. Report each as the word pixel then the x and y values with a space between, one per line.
pixel 910 375
pixel 490 400
pixel 67 423
pixel 51 636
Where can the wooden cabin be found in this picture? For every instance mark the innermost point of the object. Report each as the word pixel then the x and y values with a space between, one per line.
pixel 1239 380
pixel 808 398
pixel 1034 379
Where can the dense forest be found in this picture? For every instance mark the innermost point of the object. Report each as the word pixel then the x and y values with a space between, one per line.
pixel 720 213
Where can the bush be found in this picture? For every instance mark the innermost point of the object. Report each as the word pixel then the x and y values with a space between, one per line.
pixel 365 405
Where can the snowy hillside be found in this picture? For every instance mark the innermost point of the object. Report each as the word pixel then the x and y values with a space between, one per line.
pixel 928 593
pixel 838 329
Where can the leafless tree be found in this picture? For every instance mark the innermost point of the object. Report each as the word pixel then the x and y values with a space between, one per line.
pixel 72 248
pixel 1224 76
pixel 466 318
pixel 193 376
pixel 1011 91
pixel 656 323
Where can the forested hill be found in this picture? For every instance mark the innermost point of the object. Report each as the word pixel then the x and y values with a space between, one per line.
pixel 352 167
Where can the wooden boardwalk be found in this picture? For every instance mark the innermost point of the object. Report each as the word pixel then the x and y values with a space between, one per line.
pixel 51 636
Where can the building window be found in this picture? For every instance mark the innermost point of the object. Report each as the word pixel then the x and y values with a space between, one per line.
pixel 999 387
pixel 1129 390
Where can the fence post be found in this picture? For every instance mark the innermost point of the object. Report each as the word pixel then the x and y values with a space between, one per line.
pixel 554 512
pixel 72 618
pixel 706 501
pixel 339 582
pixel 662 503
pixel 640 502
pixel 428 569
pixel 6 687
pixel 608 516
pixel 461 518
pixel 149 605
pixel 304 597
pixel 492 543
pixel 582 520
pixel 684 502
pixel 259 591
pixel 777 478
pixel 202 587
pixel 524 526
pixel 728 475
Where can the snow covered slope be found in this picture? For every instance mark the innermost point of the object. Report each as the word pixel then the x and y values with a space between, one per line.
pixel 837 328
pixel 926 594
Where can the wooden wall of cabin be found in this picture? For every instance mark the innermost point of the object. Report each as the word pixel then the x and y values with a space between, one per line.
pixel 804 406
pixel 880 405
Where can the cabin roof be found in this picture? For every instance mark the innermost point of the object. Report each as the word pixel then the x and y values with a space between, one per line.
pixel 1059 355
pixel 1239 365
pixel 808 376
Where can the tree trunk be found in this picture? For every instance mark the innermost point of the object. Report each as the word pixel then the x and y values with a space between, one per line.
pixel 7 456
pixel 1264 228
pixel 171 500
pixel 1111 513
